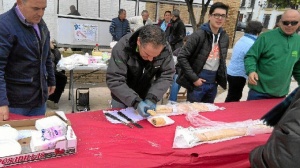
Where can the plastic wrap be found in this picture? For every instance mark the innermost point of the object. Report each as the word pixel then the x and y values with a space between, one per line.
pixel 214 131
pixel 186 108
pixel 200 121
pixel 75 60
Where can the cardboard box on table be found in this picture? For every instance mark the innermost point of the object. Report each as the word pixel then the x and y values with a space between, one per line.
pixel 64 147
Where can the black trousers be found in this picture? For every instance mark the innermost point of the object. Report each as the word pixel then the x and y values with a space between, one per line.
pixel 61 81
pixel 235 90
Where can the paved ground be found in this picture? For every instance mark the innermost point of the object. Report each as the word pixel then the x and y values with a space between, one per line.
pixel 100 94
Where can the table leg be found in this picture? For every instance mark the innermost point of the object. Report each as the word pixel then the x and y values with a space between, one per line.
pixel 71 90
pixel 70 83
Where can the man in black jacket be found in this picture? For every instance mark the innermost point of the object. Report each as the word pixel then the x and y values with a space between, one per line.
pixel 178 31
pixel 140 70
pixel 203 59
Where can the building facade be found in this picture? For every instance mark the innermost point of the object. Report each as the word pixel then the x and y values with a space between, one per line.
pixel 108 9
pixel 260 10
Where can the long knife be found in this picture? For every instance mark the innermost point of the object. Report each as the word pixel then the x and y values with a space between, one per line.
pixel 116 118
pixel 129 119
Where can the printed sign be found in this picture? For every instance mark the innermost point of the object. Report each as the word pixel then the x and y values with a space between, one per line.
pixel 85 32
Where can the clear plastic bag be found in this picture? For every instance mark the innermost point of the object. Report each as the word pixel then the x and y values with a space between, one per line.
pixel 198 120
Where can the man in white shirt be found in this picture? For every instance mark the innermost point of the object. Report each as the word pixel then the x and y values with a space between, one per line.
pixel 139 21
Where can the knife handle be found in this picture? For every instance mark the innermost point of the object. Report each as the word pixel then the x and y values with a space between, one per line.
pixel 124 116
pixel 116 118
pixel 112 116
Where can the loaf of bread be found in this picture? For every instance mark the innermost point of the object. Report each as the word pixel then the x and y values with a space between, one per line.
pixel 151 112
pixel 158 121
pixel 164 109
pixel 181 108
pixel 199 107
pixel 221 134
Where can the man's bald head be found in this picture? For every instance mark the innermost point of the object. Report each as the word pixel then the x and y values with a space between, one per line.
pixel 289 21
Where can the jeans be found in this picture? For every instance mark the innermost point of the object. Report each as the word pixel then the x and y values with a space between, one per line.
pixel 116 104
pixel 235 90
pixel 35 111
pixel 174 89
pixel 206 93
pixel 254 95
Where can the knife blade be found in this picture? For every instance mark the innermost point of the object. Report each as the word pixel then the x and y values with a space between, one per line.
pixel 116 118
pixel 129 119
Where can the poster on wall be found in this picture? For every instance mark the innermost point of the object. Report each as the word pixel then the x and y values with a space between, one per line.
pixel 85 32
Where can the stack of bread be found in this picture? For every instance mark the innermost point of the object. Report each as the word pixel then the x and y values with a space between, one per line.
pixel 189 137
pixel 180 108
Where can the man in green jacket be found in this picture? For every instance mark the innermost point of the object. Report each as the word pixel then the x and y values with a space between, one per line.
pixel 274 58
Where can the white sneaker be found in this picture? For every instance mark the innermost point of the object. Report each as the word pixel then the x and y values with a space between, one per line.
pixel 170 102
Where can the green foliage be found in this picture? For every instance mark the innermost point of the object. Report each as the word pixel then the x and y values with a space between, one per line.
pixel 189 4
pixel 285 3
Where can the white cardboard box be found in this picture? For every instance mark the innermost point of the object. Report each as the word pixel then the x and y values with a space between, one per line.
pixel 62 148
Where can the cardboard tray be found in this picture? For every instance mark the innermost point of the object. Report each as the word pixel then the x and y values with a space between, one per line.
pixel 62 148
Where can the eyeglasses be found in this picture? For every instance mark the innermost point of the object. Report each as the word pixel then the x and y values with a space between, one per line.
pixel 217 16
pixel 293 23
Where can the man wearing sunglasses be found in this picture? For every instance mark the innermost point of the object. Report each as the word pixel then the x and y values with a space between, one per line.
pixel 274 58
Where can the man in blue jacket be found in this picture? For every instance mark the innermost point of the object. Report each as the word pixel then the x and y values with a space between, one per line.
pixel 119 26
pixel 26 72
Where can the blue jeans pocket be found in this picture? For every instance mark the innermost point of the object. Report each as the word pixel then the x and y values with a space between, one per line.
pixel 198 88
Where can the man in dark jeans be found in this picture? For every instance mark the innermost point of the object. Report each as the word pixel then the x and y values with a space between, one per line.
pixel 26 71
pixel 203 58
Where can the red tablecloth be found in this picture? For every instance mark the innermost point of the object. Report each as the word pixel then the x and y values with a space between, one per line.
pixel 102 144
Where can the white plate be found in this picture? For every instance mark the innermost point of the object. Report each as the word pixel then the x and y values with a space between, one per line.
pixel 9 147
pixel 168 120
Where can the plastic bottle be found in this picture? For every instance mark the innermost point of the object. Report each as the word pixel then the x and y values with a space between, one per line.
pixel 96 49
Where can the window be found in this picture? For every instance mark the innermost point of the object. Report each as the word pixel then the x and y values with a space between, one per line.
pixel 252 3
pixel 243 3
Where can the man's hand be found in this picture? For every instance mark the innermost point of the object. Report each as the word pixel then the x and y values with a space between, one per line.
pixel 4 113
pixel 142 109
pixel 199 82
pixel 151 104
pixel 51 90
pixel 252 78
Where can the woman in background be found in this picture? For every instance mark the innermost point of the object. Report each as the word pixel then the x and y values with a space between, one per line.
pixel 60 77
